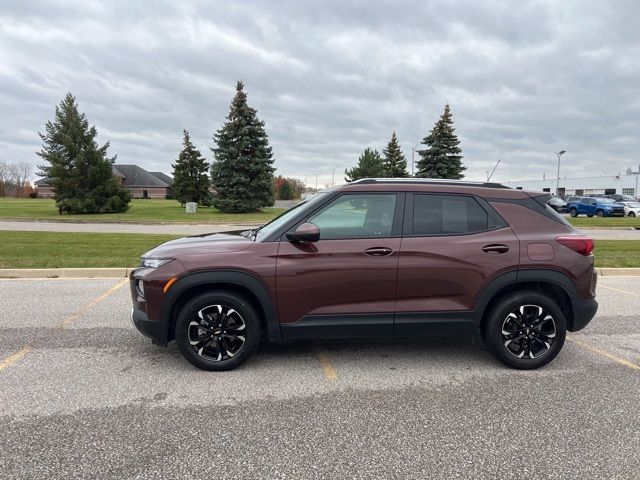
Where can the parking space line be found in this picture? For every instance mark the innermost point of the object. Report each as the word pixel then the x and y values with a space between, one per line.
pixel 14 357
pixel 327 367
pixel 18 355
pixel 618 290
pixel 91 304
pixel 604 353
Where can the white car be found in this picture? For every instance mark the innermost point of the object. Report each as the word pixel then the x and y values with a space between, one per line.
pixel 631 209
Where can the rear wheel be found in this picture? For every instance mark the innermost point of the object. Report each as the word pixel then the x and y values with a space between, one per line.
pixel 525 330
pixel 573 212
pixel 218 330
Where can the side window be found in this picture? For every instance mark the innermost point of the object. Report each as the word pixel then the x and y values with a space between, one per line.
pixel 448 215
pixel 356 216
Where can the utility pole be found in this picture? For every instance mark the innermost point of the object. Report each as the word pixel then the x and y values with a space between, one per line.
pixel 559 154
pixel 333 177
pixel 316 183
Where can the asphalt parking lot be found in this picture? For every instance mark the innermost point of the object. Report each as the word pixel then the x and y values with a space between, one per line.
pixel 84 395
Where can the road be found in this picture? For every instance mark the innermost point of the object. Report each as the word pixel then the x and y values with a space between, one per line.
pixel 84 395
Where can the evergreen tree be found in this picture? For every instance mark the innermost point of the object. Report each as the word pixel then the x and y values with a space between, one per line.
pixel 394 163
pixel 190 179
pixel 79 170
pixel 369 166
pixel 286 190
pixel 441 158
pixel 242 172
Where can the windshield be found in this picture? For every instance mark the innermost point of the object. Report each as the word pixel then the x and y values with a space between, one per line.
pixel 266 230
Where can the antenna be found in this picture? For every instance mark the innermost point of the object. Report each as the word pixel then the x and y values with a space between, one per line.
pixel 494 169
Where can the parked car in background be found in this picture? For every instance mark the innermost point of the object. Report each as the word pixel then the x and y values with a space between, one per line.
pixel 621 198
pixel 557 204
pixel 376 258
pixel 568 199
pixel 598 206
pixel 631 209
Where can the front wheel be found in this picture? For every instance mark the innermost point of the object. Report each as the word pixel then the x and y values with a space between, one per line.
pixel 600 213
pixel 525 330
pixel 632 214
pixel 218 330
pixel 573 212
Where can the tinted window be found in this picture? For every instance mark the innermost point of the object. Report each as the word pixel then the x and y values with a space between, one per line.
pixel 447 214
pixel 356 216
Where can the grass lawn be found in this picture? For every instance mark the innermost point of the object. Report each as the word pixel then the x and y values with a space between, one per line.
pixel 141 211
pixel 586 222
pixel 52 249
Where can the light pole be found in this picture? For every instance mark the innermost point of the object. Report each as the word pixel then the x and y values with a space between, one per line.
pixel 333 177
pixel 413 154
pixel 560 153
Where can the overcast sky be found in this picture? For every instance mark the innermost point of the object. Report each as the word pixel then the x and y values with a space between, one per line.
pixel 329 78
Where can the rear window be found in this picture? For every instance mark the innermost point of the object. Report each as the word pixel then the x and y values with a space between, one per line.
pixel 448 215
pixel 556 215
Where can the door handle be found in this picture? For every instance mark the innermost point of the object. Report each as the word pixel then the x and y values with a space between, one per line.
pixel 495 248
pixel 378 251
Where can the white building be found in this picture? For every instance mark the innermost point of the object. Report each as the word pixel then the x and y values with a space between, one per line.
pixel 608 185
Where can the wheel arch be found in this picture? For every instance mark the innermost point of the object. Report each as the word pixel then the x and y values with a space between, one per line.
pixel 240 282
pixel 552 283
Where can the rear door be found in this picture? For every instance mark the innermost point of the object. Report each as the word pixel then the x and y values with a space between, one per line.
pixel 452 246
pixel 344 284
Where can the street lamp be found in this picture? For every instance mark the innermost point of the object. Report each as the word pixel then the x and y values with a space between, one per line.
pixel 413 154
pixel 560 153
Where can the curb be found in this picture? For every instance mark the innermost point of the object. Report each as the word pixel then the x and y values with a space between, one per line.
pixel 65 272
pixel 123 272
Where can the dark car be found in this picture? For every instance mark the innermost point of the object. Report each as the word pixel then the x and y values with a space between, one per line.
pixel 557 204
pixel 376 259
pixel 621 198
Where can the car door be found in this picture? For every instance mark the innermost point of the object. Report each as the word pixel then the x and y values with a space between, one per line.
pixel 452 246
pixel 590 206
pixel 344 284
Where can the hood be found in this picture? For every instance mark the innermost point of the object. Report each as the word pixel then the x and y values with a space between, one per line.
pixel 224 242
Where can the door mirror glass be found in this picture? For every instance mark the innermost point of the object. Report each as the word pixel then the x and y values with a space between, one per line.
pixel 307 232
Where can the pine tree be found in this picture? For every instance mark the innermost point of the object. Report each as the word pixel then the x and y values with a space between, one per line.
pixel 441 158
pixel 286 190
pixel 394 163
pixel 79 170
pixel 369 166
pixel 190 179
pixel 242 172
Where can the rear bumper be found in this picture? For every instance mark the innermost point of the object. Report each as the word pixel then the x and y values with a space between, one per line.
pixel 153 329
pixel 583 312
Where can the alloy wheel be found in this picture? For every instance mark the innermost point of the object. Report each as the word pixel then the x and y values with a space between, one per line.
pixel 528 332
pixel 218 333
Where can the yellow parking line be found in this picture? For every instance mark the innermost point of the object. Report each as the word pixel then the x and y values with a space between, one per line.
pixel 604 353
pixel 618 290
pixel 327 367
pixel 17 356
pixel 14 357
pixel 91 304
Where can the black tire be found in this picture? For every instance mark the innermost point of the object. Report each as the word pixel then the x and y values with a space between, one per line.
pixel 600 213
pixel 590 216
pixel 543 337
pixel 573 212
pixel 632 214
pixel 228 325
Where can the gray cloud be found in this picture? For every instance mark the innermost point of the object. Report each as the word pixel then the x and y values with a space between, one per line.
pixel 524 79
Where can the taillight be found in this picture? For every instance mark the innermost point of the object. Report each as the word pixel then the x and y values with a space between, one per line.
pixel 577 243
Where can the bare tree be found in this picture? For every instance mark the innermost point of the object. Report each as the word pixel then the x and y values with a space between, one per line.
pixel 4 178
pixel 20 174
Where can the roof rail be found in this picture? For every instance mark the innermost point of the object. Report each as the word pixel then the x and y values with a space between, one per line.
pixel 439 181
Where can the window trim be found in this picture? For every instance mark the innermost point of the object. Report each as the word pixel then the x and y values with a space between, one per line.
pixel 396 226
pixel 492 215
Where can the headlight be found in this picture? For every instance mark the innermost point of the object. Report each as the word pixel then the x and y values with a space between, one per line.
pixel 154 262
pixel 140 287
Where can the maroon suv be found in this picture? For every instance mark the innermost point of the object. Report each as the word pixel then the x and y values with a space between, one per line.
pixel 376 258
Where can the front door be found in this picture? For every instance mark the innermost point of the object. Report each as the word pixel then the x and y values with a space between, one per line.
pixel 343 285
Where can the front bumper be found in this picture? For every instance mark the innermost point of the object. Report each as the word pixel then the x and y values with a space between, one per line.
pixel 583 312
pixel 153 329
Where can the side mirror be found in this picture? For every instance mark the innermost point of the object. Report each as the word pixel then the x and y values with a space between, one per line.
pixel 307 232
